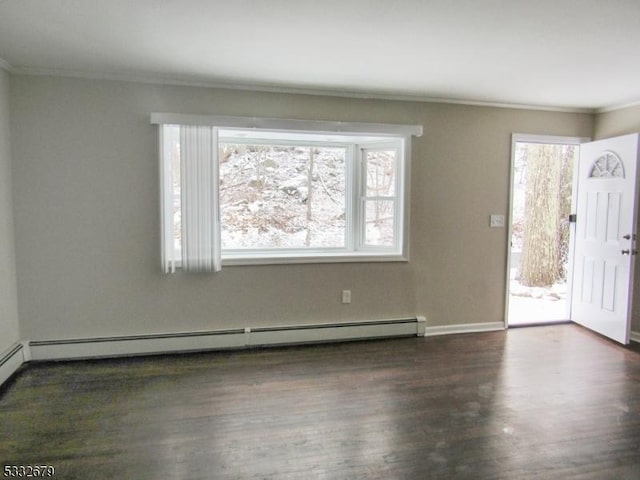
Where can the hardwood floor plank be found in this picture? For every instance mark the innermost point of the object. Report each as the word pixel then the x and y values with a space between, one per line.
pixel 537 403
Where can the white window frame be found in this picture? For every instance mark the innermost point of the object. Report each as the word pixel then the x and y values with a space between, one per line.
pixel 357 138
pixel 397 199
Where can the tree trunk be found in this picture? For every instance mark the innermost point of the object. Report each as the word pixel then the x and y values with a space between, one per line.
pixel 310 197
pixel 541 264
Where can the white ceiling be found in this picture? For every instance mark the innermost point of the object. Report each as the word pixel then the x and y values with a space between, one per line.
pixel 575 54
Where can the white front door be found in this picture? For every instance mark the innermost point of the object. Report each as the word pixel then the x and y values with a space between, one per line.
pixel 605 237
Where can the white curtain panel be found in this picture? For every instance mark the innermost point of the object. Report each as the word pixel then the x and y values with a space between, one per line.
pixel 199 199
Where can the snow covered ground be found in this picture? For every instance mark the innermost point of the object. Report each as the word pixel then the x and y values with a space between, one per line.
pixel 536 304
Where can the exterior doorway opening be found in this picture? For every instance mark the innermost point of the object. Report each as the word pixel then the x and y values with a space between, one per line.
pixel 540 259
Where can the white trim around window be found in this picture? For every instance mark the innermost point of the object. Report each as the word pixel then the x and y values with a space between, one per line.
pixel 374 169
pixel 289 125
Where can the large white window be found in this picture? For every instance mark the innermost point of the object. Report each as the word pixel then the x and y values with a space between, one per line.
pixel 303 193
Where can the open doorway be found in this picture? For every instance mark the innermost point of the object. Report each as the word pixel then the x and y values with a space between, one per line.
pixel 542 187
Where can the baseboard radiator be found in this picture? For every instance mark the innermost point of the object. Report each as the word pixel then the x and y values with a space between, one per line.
pixel 10 361
pixel 223 339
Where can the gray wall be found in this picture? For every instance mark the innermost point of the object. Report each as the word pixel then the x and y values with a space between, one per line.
pixel 86 214
pixel 8 295
pixel 617 122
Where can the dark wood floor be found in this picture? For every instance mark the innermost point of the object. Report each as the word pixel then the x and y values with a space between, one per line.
pixel 546 403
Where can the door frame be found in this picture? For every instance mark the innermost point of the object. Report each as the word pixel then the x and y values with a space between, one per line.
pixel 547 139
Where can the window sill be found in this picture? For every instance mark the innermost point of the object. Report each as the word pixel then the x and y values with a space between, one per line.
pixel 288 259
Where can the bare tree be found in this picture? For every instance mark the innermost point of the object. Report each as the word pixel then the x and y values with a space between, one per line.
pixel 547 204
pixel 309 200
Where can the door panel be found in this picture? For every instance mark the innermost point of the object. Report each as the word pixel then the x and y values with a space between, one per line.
pixel 605 236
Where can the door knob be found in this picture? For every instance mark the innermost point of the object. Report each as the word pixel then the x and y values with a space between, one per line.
pixel 629 252
pixel 627 236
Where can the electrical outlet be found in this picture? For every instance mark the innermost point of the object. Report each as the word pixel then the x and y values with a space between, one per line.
pixel 496 221
pixel 346 296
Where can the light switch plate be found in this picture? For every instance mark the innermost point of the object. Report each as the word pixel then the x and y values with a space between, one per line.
pixel 496 221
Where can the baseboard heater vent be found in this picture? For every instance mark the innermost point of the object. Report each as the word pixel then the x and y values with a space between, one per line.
pixel 335 331
pixel 10 361
pixel 223 339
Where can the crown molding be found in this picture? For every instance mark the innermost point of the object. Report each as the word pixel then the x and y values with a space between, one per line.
pixel 327 92
pixel 614 108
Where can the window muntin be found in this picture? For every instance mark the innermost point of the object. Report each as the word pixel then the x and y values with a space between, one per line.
pixel 380 178
pixel 362 219
pixel 607 165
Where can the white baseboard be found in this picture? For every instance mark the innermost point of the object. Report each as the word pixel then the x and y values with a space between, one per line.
pixel 222 339
pixel 464 328
pixel 635 337
pixel 10 360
